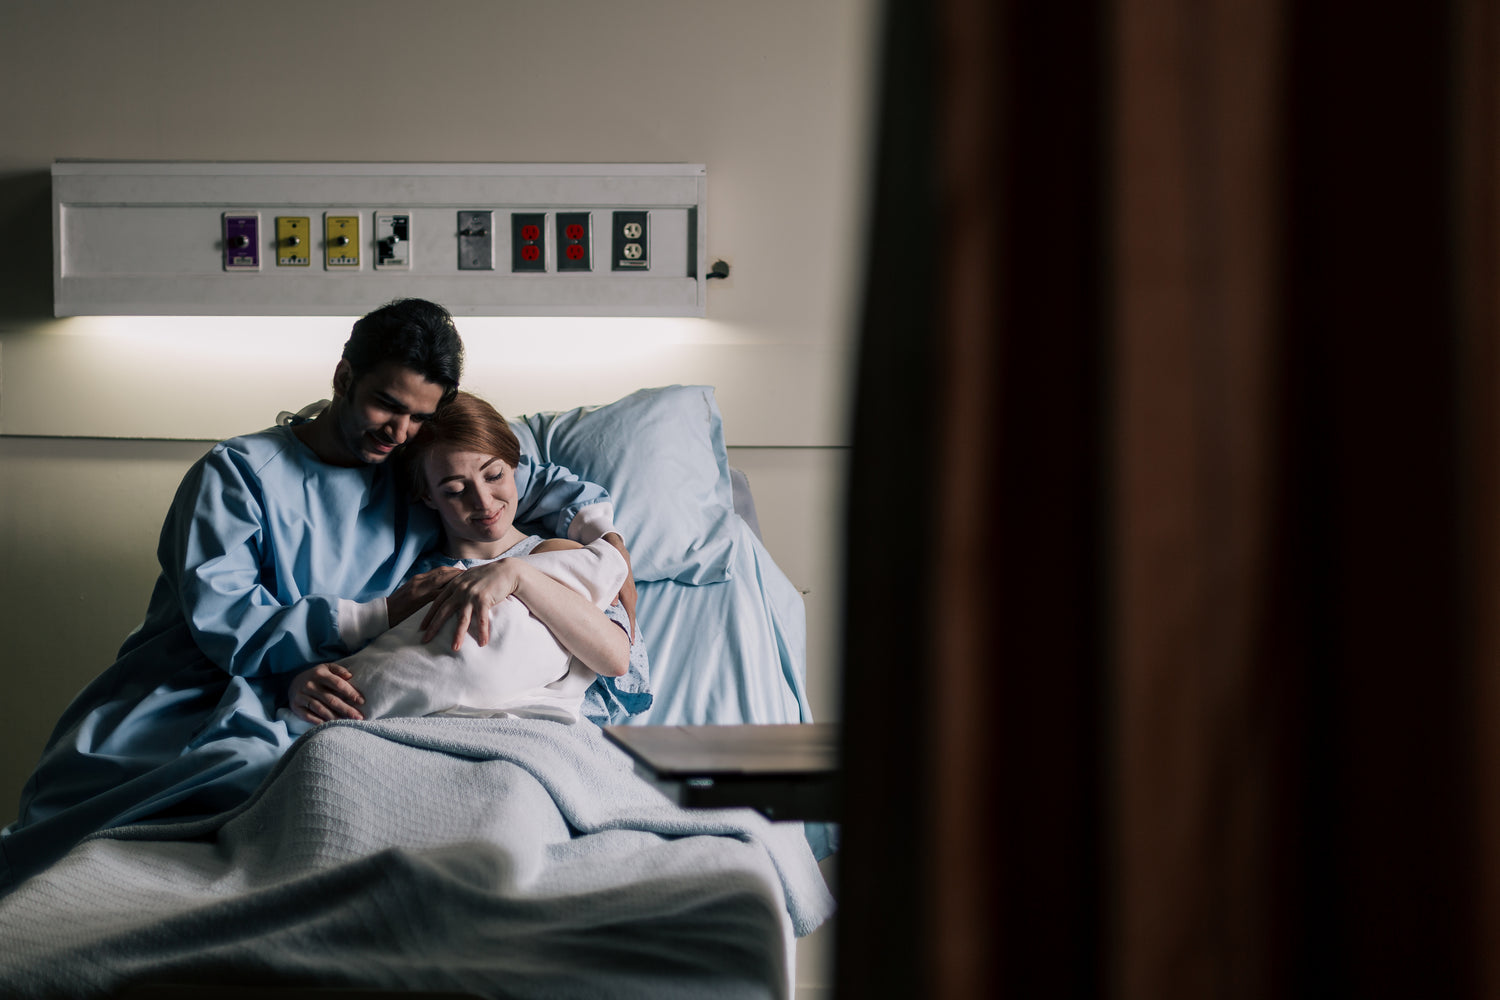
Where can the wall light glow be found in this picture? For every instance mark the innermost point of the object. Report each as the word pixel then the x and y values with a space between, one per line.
pixel 208 377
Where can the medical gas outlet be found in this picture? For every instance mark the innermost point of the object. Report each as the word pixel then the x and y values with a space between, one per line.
pixel 242 241
pixel 293 236
pixel 341 242
pixel 392 241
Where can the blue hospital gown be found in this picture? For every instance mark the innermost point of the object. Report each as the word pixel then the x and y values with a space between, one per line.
pixel 258 547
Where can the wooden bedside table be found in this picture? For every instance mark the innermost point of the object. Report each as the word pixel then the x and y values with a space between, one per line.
pixel 785 772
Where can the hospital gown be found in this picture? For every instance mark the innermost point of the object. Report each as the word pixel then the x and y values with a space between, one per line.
pixel 260 548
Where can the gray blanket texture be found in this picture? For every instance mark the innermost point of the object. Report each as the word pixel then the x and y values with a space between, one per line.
pixel 503 857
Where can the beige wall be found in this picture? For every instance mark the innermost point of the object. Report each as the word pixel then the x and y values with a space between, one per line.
pixel 771 96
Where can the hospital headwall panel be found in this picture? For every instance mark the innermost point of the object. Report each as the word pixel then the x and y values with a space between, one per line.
pixel 327 239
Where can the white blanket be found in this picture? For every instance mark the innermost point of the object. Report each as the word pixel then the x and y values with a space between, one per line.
pixel 504 857
pixel 522 670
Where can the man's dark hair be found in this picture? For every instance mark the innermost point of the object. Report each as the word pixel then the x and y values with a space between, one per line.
pixel 414 333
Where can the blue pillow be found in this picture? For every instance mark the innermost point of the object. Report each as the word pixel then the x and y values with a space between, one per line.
pixel 660 454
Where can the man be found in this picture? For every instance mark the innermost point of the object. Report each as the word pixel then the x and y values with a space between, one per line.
pixel 276 554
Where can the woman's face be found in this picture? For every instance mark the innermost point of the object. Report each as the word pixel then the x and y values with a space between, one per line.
pixel 475 495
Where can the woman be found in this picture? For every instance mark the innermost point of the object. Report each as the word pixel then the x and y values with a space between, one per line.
pixel 460 464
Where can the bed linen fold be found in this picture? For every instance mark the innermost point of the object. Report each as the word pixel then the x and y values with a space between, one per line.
pixel 504 857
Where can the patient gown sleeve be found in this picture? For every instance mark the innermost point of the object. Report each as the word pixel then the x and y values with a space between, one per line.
pixel 260 550
pixel 555 502
pixel 261 541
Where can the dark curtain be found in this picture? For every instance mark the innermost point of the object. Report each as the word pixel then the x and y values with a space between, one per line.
pixel 1173 574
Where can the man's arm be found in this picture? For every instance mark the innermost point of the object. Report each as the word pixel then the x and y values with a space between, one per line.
pixel 217 555
pixel 553 501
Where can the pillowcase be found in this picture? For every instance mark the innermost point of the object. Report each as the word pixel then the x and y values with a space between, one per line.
pixel 660 454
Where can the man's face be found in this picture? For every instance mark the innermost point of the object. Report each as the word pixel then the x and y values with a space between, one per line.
pixel 377 412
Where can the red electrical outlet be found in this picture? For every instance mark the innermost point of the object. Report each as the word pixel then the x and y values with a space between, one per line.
pixel 574 242
pixel 528 247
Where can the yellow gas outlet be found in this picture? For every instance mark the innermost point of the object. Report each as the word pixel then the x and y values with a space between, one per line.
pixel 293 241
pixel 341 242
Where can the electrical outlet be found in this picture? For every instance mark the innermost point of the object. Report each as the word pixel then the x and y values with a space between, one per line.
pixel 476 240
pixel 528 241
pixel 575 240
pixel 293 236
pixel 340 242
pixel 392 241
pixel 631 241
pixel 242 241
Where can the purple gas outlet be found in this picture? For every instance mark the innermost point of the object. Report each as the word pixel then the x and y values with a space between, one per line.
pixel 241 241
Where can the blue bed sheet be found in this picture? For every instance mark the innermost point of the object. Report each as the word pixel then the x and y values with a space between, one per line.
pixel 730 652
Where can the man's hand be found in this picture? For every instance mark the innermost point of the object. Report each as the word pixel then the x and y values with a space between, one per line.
pixel 627 592
pixel 323 693
pixel 417 592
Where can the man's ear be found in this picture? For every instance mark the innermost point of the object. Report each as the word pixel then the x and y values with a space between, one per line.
pixel 343 378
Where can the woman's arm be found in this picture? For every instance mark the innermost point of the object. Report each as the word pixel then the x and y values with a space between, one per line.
pixel 582 629
pixel 473 595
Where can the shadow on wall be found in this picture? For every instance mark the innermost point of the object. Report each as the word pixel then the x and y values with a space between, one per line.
pixel 25 266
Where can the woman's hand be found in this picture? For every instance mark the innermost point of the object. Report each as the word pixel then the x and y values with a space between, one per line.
pixel 471 597
pixel 416 592
pixel 323 693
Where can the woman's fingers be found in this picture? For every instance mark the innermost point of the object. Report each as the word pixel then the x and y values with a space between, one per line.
pixel 327 694
pixel 340 686
pixel 461 627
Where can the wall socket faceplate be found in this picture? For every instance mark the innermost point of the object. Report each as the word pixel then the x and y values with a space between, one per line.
pixel 575 242
pixel 631 244
pixel 528 241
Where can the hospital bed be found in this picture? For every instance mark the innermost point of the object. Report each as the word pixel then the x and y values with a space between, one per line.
pixel 507 857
